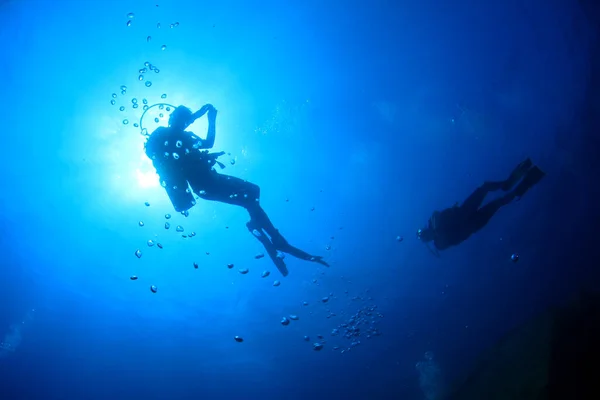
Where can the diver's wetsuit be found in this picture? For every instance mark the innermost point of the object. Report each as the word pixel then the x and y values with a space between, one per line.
pixel 184 169
pixel 454 225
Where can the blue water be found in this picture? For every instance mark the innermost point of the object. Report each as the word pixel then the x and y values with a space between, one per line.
pixel 357 120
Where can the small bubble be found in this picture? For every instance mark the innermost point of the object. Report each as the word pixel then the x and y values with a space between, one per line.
pixel 138 253
pixel 163 47
pixel 232 162
pixel 158 25
pixel 136 124
pixel 176 156
pixel 149 38
pixel 178 144
pixel 147 64
pixel 125 121
pixel 123 87
pixel 167 216
pixel 176 24
pixel 130 15
pixel 144 101
pixel 113 102
pixel 179 228
pixel 129 23
pixel 141 223
pixel 135 105
pixel 141 77
pixel 161 115
pixel 161 107
pixel 168 108
pixel 114 95
pixel 153 289
pixel 150 243
pixel 163 96
pixel 145 107
pixel 156 70
pixel 134 100
pixel 122 108
pixel 148 83
pixel 123 92
pixel 147 204
pixel 143 70
pixel 156 120
pixel 167 225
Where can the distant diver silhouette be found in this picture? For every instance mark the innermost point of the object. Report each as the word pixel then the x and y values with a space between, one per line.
pixel 456 224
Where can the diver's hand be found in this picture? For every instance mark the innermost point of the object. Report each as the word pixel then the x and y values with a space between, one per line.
pixel 212 112
pixel 203 110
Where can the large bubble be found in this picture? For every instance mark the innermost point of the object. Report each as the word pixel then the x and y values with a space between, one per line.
pixel 430 377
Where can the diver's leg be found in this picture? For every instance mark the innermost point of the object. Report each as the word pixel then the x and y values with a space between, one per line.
pixel 260 218
pixel 485 213
pixel 473 202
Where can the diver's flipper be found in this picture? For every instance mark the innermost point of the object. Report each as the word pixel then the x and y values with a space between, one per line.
pixel 277 259
pixel 534 175
pixel 275 256
pixel 516 175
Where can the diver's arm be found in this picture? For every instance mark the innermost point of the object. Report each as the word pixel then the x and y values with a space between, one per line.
pixel 200 113
pixel 210 135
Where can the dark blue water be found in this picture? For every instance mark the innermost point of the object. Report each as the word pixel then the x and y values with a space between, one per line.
pixel 357 120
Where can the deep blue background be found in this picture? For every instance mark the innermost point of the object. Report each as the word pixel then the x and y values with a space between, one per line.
pixel 374 113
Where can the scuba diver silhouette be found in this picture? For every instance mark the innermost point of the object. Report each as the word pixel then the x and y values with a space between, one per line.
pixel 454 225
pixel 185 167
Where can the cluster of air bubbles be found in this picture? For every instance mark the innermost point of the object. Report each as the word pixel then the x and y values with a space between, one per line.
pixel 142 71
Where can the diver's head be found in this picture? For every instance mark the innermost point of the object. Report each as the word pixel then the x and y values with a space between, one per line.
pixel 180 118
pixel 425 234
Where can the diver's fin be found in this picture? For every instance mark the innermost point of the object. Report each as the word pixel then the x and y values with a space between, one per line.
pixel 515 176
pixel 534 175
pixel 276 257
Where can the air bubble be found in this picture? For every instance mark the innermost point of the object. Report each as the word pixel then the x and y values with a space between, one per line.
pixel 122 108
pixel 156 119
pixel 148 83
pixel 141 77
pixel 113 102
pixel 135 105
pixel 163 47
pixel 130 15
pixel 125 121
pixel 149 38
pixel 143 70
